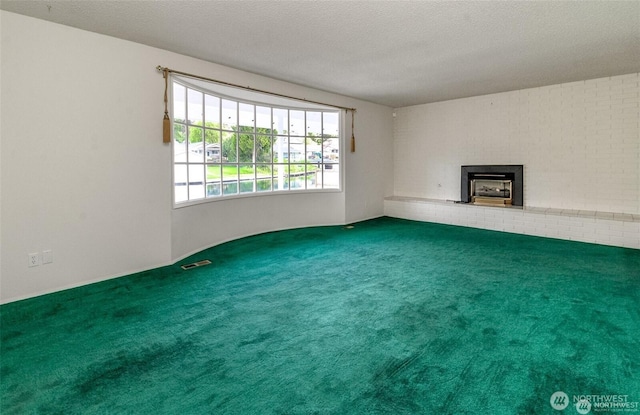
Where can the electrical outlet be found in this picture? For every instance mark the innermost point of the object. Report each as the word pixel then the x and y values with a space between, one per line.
pixel 33 259
pixel 47 256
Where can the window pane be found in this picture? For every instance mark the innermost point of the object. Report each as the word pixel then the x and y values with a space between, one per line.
pixel 331 151
pixel 314 152
pixel 229 115
pixel 212 136
pixel 213 153
pixel 247 121
pixel 230 188
pixel 214 189
pixel 296 123
pixel 229 147
pixel 180 183
pixel 230 180
pixel 195 135
pixel 179 143
pixel 330 136
pixel 280 121
pixel 331 176
pixel 247 178
pixel 313 173
pixel 281 149
pixel 196 181
pixel 263 149
pixel 263 119
pixel 194 107
pixel 263 175
pixel 229 172
pixel 246 148
pixel 330 124
pixel 214 172
pixel 214 175
pixel 196 147
pixel 297 177
pixel 179 102
pixel 296 149
pixel 179 132
pixel 281 177
pixel 212 111
pixel 263 185
pixel 314 124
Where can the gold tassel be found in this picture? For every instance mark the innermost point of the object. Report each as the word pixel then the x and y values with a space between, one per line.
pixel 166 129
pixel 166 122
pixel 353 137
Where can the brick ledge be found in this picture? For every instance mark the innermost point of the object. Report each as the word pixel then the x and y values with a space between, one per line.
pixel 619 217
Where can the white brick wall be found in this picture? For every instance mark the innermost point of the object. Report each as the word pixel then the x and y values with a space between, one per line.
pixel 579 143
pixel 584 226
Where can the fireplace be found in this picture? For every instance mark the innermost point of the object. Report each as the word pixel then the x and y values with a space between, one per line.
pixel 492 185
pixel 491 189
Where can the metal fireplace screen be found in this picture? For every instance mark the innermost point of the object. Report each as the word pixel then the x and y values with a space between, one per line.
pixel 491 191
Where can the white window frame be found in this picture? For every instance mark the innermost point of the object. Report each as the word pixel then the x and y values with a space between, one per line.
pixel 321 172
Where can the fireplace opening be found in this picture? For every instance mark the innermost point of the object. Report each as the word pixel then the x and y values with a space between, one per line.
pixel 492 185
pixel 490 191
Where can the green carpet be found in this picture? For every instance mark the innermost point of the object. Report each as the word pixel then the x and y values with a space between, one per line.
pixel 390 317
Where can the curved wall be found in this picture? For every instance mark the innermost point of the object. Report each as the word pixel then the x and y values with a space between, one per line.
pixel 84 172
pixel 204 225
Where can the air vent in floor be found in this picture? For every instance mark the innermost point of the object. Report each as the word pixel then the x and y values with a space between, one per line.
pixel 196 264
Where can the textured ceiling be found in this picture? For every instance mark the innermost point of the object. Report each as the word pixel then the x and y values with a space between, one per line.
pixel 395 53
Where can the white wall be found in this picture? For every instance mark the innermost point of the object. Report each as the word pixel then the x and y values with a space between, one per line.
pixel 579 144
pixel 84 171
pixel 369 170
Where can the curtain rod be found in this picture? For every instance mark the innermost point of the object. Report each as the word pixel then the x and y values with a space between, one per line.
pixel 167 70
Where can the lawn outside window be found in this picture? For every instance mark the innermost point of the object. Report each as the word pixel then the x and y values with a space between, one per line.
pixel 249 144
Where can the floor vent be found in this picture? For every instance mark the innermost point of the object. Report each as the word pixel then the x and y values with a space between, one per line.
pixel 196 264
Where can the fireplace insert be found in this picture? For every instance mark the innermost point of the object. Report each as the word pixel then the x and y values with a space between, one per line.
pixel 489 190
pixel 492 185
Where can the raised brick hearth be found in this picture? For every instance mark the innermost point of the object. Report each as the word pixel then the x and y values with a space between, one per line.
pixel 616 229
